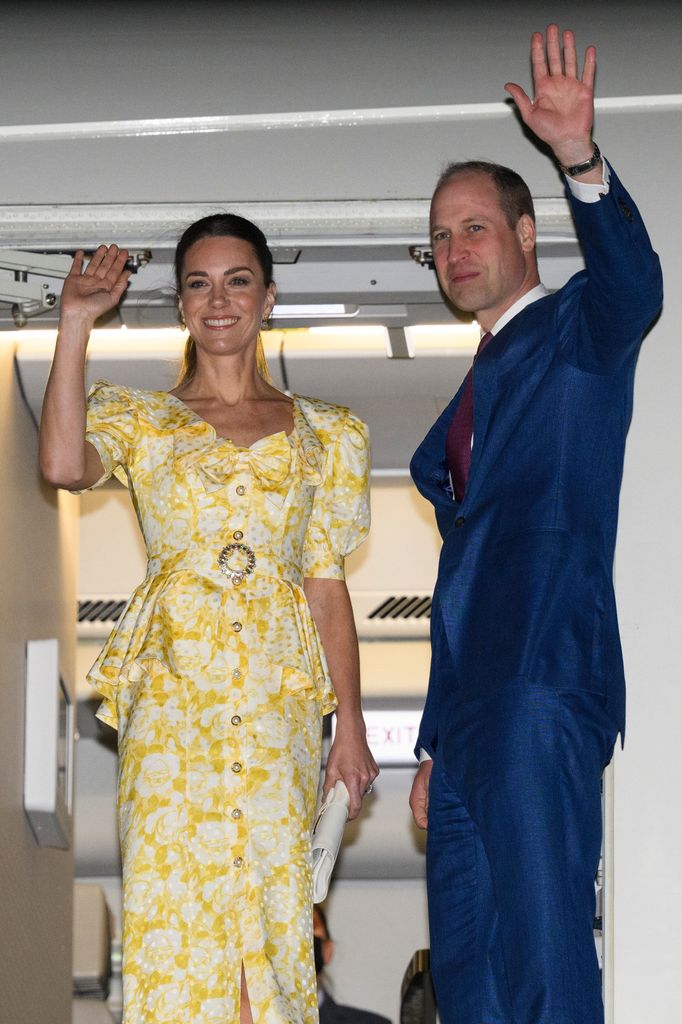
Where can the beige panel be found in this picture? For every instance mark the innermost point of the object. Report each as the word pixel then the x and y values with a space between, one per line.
pixel 37 553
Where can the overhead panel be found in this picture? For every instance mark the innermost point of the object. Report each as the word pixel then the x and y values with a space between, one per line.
pixel 339 265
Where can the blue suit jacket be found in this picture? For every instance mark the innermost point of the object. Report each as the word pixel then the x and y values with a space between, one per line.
pixel 524 589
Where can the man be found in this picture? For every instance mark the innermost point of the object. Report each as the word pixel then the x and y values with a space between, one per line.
pixel 332 1012
pixel 526 694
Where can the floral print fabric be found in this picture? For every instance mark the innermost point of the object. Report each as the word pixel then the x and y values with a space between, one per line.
pixel 217 691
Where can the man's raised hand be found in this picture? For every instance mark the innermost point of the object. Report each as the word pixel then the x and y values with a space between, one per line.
pixel 562 111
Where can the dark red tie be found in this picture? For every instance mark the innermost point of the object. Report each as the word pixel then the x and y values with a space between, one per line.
pixel 458 440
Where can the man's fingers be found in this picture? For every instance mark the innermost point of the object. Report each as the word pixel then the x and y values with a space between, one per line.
pixel 554 50
pixel 419 800
pixel 590 66
pixel 570 56
pixel 520 97
pixel 419 806
pixel 420 817
pixel 538 58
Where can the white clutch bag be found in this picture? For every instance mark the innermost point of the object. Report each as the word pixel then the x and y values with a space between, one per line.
pixel 327 834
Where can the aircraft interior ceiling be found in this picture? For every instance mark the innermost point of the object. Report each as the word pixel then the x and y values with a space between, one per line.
pixel 350 316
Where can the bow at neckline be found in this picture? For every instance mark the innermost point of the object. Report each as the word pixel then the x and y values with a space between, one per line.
pixel 216 459
pixel 269 459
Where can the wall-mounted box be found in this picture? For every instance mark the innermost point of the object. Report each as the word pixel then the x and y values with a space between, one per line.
pixel 48 747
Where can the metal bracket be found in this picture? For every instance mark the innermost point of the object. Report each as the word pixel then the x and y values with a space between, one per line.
pixel 421 255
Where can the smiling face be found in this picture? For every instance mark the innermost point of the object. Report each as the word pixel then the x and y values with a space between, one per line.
pixel 223 296
pixel 483 264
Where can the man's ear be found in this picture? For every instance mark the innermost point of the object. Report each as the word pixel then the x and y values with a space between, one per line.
pixel 327 951
pixel 525 232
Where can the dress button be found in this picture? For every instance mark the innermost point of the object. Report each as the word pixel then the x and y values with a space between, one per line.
pixel 240 489
pixel 237 534
pixel 238 862
pixel 236 626
pixel 236 814
pixel 236 767
pixel 459 522
pixel 236 720
pixel 236 673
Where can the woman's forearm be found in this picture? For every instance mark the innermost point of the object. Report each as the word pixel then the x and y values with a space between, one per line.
pixel 333 614
pixel 63 458
pixel 350 758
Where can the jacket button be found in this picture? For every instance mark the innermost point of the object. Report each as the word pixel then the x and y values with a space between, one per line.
pixel 459 521
pixel 625 210
pixel 238 535
pixel 236 720
pixel 238 862
pixel 236 767
pixel 236 814
pixel 237 626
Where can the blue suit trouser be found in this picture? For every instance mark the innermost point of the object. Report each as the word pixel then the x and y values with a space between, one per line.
pixel 513 847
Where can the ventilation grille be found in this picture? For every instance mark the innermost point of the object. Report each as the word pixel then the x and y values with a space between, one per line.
pixel 403 607
pixel 97 616
pixel 385 615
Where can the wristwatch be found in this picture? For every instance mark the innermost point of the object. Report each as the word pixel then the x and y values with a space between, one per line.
pixel 585 166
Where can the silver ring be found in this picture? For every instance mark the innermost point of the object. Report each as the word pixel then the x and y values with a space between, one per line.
pixel 369 789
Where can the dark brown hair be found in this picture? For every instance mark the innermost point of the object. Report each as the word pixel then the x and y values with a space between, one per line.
pixel 514 194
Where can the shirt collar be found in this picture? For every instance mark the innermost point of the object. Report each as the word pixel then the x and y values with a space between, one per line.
pixel 538 292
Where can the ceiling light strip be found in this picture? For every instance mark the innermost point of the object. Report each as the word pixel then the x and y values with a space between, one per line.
pixel 352 118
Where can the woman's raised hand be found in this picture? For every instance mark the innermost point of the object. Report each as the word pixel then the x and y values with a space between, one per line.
pixel 88 294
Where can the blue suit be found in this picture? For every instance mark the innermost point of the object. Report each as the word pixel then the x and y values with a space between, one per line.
pixel 527 693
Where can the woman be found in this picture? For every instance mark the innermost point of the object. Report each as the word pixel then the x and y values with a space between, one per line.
pixel 215 675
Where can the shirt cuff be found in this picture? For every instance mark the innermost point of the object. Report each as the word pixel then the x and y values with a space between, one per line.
pixel 588 193
pixel 424 756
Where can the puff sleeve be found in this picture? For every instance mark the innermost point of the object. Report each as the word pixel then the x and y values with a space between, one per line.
pixel 112 427
pixel 339 520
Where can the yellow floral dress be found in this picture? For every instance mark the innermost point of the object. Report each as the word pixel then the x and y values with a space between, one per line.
pixel 216 680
